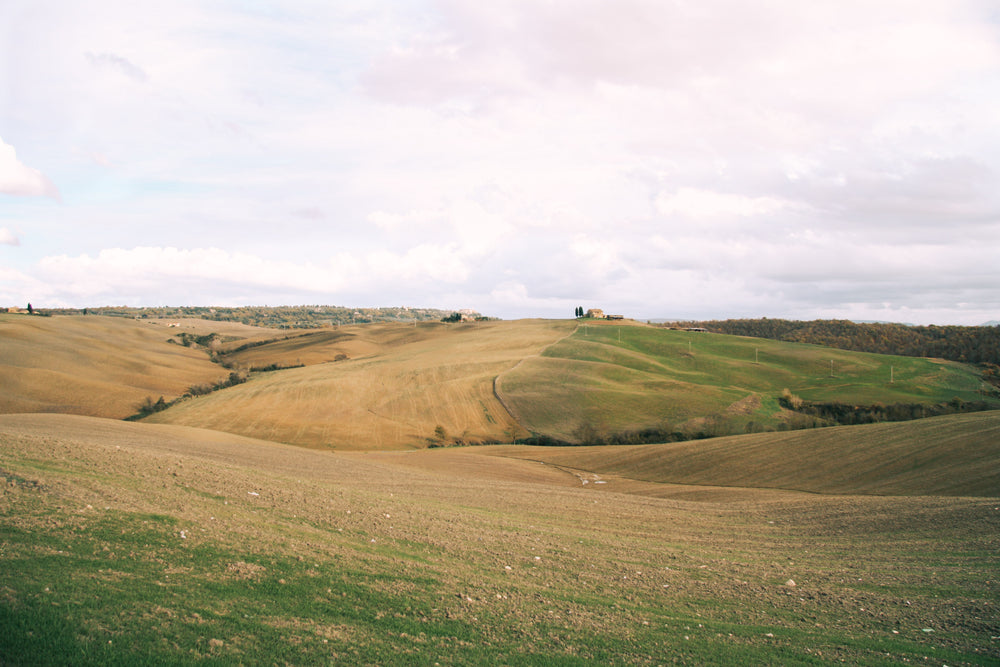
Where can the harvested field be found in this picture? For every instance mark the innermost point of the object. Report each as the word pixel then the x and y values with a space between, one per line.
pixel 405 383
pixel 98 366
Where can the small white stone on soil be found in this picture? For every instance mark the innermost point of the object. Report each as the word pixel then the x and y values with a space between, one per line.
pixel 791 584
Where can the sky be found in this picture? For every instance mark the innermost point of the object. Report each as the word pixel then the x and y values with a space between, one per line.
pixel 677 159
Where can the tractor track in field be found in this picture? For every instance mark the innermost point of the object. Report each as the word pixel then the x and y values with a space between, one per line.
pixel 497 391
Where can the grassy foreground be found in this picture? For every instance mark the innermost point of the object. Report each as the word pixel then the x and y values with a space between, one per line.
pixel 136 543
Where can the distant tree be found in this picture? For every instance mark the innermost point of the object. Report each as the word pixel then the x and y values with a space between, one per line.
pixel 454 317
pixel 30 309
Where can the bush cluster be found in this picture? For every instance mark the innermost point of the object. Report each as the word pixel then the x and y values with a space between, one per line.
pixel 846 414
pixel 149 406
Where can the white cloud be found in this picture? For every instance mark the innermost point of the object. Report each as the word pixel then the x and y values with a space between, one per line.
pixel 139 273
pixel 16 178
pixel 699 204
pixel 17 287
pixel 7 237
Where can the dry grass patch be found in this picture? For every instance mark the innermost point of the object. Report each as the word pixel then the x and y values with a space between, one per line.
pixel 243 570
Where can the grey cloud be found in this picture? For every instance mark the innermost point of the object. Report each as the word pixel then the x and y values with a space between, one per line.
pixel 911 192
pixel 118 64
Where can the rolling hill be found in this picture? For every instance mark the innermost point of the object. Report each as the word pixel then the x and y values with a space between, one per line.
pixel 610 378
pixel 404 386
pixel 99 366
pixel 201 539
pixel 392 386
pixel 953 455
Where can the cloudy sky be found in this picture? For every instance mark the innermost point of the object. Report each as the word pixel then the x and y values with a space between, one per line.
pixel 656 158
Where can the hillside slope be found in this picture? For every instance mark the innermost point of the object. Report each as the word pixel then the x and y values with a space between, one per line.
pixel 412 386
pixel 953 455
pixel 99 366
pixel 609 379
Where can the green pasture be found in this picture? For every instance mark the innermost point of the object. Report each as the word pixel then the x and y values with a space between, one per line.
pixel 611 378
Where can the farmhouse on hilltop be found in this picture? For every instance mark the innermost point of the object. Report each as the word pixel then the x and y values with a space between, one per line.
pixel 598 314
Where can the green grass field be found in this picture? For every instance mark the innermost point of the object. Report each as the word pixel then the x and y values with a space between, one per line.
pixel 610 378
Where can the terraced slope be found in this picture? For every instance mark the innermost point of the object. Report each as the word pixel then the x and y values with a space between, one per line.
pixel 609 378
pixel 411 387
pixel 100 366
